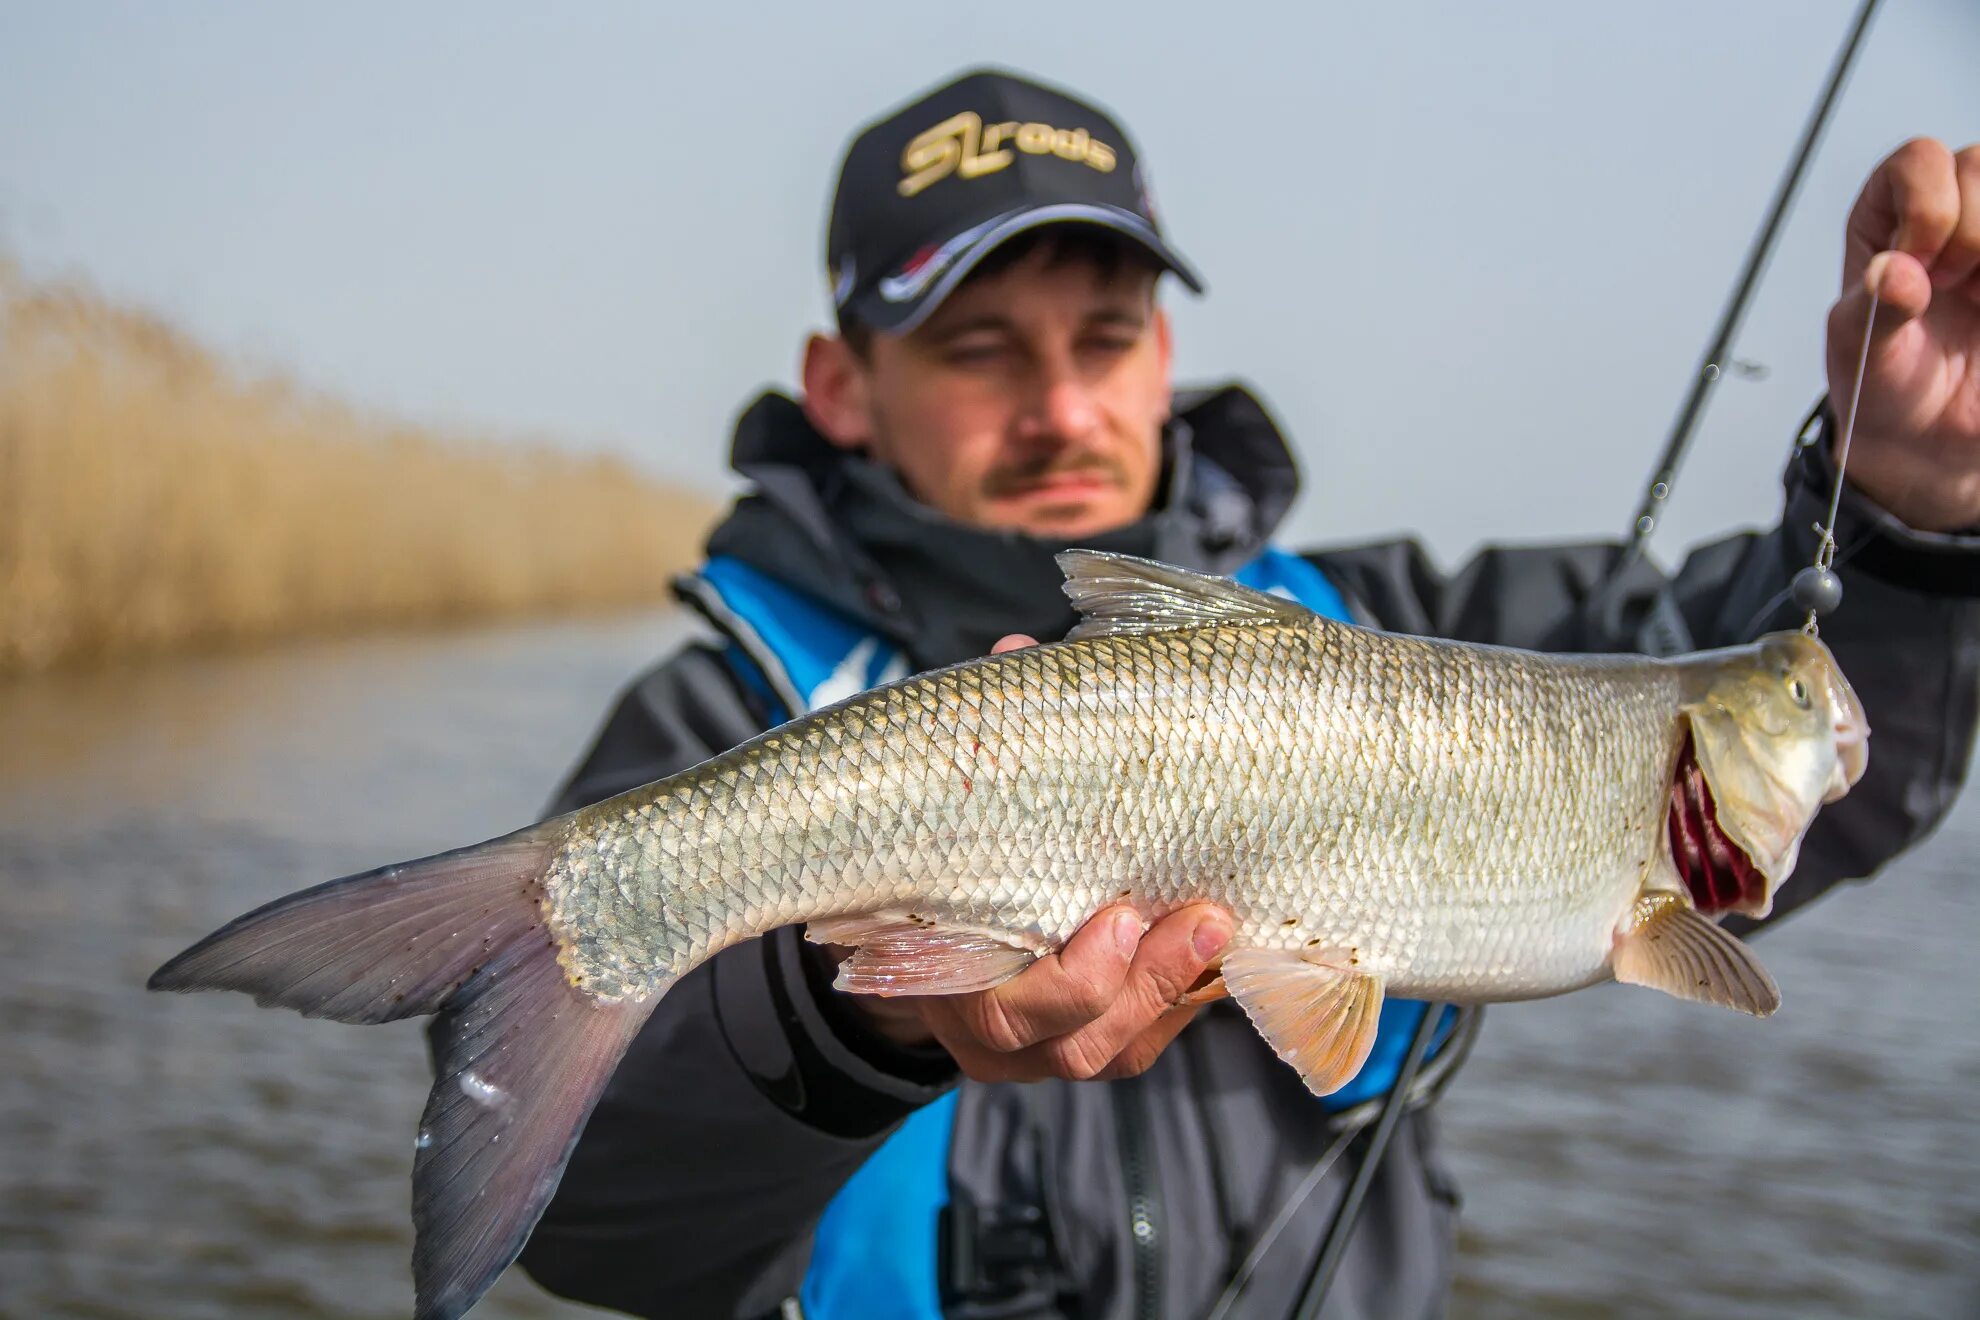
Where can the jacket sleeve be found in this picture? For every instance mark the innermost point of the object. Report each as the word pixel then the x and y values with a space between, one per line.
pixel 748 1098
pixel 1907 635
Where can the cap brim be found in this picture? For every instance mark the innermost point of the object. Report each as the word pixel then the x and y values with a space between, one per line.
pixel 913 301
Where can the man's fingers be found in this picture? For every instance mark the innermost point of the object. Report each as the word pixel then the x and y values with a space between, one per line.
pixel 1173 954
pixel 1141 1052
pixel 1171 957
pixel 1959 259
pixel 1112 991
pixel 1057 994
pixel 1013 642
pixel 1911 204
pixel 1904 291
pixel 1925 196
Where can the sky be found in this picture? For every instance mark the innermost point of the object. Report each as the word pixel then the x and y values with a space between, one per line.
pixel 1470 254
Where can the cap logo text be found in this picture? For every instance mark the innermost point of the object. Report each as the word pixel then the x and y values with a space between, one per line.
pixel 963 145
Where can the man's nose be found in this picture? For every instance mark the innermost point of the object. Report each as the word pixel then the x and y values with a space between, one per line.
pixel 1063 409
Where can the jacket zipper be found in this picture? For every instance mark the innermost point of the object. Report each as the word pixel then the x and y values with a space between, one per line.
pixel 1144 1202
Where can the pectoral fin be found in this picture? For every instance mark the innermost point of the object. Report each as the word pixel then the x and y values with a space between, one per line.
pixel 1318 1016
pixel 907 954
pixel 1666 945
pixel 1207 990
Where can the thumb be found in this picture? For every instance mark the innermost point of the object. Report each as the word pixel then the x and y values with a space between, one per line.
pixel 1904 291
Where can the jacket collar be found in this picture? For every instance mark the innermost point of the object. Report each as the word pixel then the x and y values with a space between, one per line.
pixel 844 531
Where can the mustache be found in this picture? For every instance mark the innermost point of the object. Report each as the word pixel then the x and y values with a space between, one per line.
pixel 1018 477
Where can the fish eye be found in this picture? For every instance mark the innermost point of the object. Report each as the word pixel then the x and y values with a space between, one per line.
pixel 1799 691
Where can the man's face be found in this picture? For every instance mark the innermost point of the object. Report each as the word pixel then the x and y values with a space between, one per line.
pixel 1033 398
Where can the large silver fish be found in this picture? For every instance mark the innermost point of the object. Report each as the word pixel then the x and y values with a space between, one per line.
pixel 1382 815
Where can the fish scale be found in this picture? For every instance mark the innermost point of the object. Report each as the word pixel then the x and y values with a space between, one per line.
pixel 1461 817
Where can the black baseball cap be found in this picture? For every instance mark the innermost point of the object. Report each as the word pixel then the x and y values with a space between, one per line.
pixel 931 189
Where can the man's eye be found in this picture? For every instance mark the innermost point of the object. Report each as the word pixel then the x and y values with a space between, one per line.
pixel 968 354
pixel 1111 343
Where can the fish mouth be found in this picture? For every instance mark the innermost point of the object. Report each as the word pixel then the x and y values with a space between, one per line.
pixel 1716 871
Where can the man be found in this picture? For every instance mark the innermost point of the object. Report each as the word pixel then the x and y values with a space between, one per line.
pixel 1000 389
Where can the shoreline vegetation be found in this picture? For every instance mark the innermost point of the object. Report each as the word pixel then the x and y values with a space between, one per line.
pixel 155 497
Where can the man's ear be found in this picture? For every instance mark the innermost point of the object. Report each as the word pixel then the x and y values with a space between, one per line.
pixel 837 399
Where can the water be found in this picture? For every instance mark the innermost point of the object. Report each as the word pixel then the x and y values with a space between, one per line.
pixel 174 1157
pixel 194 1156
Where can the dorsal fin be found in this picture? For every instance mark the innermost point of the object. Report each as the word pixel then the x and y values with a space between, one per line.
pixel 1121 594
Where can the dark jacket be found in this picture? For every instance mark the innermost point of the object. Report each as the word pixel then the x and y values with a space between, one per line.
pixel 753 1094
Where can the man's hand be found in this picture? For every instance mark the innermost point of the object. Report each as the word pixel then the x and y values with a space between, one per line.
pixel 1914 237
pixel 1104 1006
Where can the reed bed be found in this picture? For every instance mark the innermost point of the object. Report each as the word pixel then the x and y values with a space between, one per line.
pixel 154 496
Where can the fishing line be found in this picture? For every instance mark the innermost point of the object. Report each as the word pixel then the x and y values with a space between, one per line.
pixel 1608 595
pixel 1755 624
pixel 1816 588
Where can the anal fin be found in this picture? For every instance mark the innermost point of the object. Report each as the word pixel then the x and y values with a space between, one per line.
pixel 1665 944
pixel 897 954
pixel 1319 1017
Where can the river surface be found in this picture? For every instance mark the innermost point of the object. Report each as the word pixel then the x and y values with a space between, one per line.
pixel 168 1157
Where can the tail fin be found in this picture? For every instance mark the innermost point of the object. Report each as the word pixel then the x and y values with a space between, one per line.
pixel 521 1053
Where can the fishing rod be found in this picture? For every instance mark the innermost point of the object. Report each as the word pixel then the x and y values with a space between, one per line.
pixel 1815 589
pixel 1712 367
pixel 1333 1245
pixel 1431 1074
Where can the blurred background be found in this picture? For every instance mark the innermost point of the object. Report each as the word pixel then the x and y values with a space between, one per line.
pixel 366 370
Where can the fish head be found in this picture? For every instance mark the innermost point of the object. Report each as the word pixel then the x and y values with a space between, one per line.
pixel 1777 732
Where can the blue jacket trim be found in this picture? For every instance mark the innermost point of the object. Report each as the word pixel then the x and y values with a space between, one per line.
pixel 1288 575
pixel 810 654
pixel 874 1251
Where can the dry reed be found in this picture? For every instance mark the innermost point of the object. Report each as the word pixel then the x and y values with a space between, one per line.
pixel 153 496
